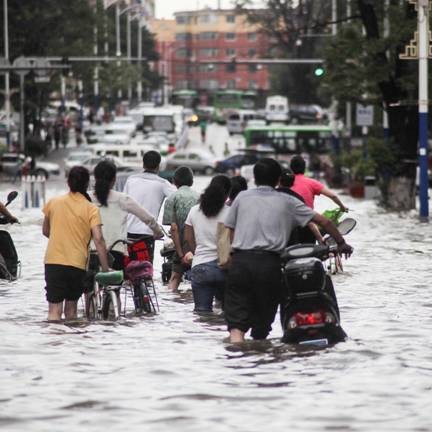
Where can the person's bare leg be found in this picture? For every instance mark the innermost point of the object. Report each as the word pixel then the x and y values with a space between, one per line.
pixel 174 281
pixel 71 309
pixel 236 336
pixel 55 311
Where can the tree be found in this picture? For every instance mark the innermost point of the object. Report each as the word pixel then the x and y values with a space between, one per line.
pixel 293 27
pixel 365 67
pixel 61 28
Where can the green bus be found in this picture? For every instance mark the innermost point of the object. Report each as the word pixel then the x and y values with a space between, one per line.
pixel 290 139
pixel 232 99
pixel 186 98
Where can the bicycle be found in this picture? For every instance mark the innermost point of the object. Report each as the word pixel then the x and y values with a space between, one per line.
pixel 139 277
pixel 103 300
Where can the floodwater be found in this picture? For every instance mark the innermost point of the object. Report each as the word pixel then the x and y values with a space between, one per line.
pixel 174 371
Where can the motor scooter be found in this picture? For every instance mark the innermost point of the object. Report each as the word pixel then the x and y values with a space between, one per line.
pixel 9 263
pixel 309 310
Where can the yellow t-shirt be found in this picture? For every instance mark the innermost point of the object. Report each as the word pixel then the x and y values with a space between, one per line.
pixel 71 219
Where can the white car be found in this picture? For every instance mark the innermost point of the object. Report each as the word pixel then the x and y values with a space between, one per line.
pixel 9 163
pixel 76 158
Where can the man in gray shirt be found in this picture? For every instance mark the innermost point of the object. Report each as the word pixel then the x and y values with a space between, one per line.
pixel 261 221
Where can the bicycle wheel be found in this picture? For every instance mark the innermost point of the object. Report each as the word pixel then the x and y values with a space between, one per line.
pixel 92 307
pixel 111 305
pixel 147 302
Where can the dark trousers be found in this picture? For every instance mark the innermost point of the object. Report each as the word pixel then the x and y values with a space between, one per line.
pixel 253 292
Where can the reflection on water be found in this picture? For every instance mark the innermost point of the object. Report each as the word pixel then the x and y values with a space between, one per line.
pixel 176 370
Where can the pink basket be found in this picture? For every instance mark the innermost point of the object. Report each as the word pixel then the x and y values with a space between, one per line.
pixel 139 269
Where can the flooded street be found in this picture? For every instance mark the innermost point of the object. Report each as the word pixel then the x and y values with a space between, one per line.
pixel 174 371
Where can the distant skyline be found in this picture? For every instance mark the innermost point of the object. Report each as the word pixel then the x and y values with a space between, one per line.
pixel 166 8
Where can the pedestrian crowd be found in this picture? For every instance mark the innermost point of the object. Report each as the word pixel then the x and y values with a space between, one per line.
pixel 257 223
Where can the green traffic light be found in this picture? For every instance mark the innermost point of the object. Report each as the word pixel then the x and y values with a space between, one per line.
pixel 319 71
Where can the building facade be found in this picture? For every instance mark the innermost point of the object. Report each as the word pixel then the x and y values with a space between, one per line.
pixel 202 50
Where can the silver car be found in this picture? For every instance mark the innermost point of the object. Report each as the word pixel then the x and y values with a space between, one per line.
pixel 197 160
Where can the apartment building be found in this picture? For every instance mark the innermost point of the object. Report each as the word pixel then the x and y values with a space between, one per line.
pixel 202 50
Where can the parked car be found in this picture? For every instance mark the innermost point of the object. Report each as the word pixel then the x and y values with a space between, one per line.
pixel 10 162
pixel 76 158
pixel 196 160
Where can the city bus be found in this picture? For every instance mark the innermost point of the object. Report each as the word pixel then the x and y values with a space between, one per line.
pixel 232 99
pixel 290 139
pixel 186 98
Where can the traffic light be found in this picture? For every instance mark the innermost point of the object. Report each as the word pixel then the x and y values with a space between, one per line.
pixel 319 71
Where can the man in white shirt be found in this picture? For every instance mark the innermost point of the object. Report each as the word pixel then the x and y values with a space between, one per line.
pixel 150 191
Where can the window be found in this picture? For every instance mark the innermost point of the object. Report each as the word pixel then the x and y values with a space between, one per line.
pixel 207 36
pixel 209 84
pixel 130 153
pixel 183 52
pixel 230 36
pixel 251 52
pixel 184 19
pixel 231 84
pixel 230 52
pixel 208 52
pixel 183 36
pixel 230 18
pixel 252 67
pixel 179 156
pixel 208 68
pixel 207 18
pixel 251 36
pixel 252 85
pixel 231 67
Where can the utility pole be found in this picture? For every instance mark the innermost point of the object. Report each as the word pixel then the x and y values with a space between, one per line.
pixel 7 74
pixel 96 70
pixel 129 51
pixel 419 49
pixel 423 51
pixel 139 84
pixel 118 46
pixel 386 35
pixel 348 105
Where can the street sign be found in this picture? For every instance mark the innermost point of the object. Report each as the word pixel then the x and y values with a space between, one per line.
pixel 364 115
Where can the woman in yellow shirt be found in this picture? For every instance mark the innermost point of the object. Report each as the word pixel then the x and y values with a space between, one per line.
pixel 71 220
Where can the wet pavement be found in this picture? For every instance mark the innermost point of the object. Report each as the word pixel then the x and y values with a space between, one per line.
pixel 174 371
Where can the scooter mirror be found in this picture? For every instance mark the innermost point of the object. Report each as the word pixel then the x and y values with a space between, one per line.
pixel 346 226
pixel 11 196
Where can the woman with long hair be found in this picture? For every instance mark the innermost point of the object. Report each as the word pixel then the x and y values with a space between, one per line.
pixel 114 207
pixel 208 280
pixel 71 220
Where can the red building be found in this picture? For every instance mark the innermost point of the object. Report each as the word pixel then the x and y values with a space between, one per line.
pixel 202 50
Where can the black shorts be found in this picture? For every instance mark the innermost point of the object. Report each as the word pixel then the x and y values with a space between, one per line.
pixel 253 292
pixel 63 283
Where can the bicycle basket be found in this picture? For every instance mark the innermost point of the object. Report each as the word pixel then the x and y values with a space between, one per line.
pixel 139 269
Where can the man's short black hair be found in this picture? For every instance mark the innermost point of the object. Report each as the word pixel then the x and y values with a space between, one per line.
pixel 267 172
pixel 183 176
pixel 287 178
pixel 298 164
pixel 151 160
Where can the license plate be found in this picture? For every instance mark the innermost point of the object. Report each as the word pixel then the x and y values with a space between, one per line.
pixel 315 342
